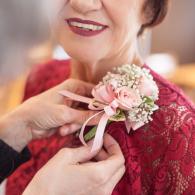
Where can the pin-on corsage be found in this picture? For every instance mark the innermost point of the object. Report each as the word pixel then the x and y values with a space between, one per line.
pixel 128 94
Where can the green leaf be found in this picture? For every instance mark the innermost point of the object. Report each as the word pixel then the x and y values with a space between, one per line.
pixel 119 116
pixel 149 101
pixel 91 134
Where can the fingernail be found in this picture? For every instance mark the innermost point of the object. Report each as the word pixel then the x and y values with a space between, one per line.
pixel 90 143
pixel 64 131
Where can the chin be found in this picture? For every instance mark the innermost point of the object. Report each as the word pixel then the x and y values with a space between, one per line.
pixel 84 59
pixel 85 55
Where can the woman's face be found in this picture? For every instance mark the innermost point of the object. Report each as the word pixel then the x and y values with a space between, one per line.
pixel 95 30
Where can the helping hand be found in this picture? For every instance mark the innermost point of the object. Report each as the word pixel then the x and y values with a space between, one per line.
pixel 70 172
pixel 41 115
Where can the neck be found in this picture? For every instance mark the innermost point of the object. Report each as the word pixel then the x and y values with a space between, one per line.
pixel 94 72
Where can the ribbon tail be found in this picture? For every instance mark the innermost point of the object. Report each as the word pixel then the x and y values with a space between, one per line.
pixel 133 125
pixel 137 125
pixel 128 126
pixel 81 135
pixel 75 97
pixel 98 140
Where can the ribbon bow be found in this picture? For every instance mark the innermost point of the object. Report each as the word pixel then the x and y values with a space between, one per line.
pixel 108 110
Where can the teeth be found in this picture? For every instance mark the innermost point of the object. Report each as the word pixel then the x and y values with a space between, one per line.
pixel 86 26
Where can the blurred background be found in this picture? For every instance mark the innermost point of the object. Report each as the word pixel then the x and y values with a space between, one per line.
pixel 169 48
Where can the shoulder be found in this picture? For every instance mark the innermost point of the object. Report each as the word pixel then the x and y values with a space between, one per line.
pixel 170 94
pixel 174 124
pixel 45 76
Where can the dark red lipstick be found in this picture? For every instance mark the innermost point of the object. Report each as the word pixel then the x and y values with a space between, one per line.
pixel 85 28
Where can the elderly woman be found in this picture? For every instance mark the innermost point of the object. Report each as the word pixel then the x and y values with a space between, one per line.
pixel 100 35
pixel 42 115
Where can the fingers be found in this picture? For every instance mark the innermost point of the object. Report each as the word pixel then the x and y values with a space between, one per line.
pixel 102 155
pixel 51 132
pixel 79 155
pixel 71 115
pixel 69 119
pixel 80 116
pixel 115 160
pixel 110 185
pixel 39 134
pixel 81 87
pixel 72 85
pixel 107 172
pixel 77 86
pixel 95 120
pixel 116 178
pixel 69 129
pixel 112 146
pixel 65 114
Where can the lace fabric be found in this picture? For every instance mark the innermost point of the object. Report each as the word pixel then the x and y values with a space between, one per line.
pixel 160 157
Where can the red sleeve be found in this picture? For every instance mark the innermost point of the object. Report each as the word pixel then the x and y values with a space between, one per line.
pixel 159 157
pixel 41 78
pixel 45 76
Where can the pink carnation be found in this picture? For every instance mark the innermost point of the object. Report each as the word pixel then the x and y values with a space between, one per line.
pixel 146 87
pixel 128 98
pixel 103 93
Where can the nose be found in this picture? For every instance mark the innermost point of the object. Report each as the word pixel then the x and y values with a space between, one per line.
pixel 85 6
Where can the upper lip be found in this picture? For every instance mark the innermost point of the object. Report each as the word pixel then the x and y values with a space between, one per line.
pixel 85 21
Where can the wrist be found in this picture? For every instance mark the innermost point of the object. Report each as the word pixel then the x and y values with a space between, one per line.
pixel 14 130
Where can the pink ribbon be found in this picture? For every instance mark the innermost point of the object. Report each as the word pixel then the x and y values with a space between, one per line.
pixel 107 111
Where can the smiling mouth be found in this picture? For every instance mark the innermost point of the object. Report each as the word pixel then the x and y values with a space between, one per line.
pixel 85 27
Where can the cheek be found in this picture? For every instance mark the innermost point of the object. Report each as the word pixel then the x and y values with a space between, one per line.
pixel 80 49
pixel 123 11
pixel 124 16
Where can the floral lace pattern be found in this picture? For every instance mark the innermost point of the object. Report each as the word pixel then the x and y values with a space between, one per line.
pixel 160 157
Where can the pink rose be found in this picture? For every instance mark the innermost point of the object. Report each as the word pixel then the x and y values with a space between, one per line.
pixel 146 87
pixel 128 98
pixel 103 93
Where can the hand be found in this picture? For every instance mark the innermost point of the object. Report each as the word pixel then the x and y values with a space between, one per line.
pixel 41 115
pixel 63 175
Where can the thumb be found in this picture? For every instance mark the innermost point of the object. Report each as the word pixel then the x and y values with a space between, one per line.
pixel 81 155
pixel 70 115
pixel 76 86
pixel 81 87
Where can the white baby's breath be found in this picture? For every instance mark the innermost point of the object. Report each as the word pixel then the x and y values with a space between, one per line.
pixel 130 76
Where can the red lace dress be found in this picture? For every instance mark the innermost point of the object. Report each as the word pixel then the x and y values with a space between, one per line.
pixel 160 157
